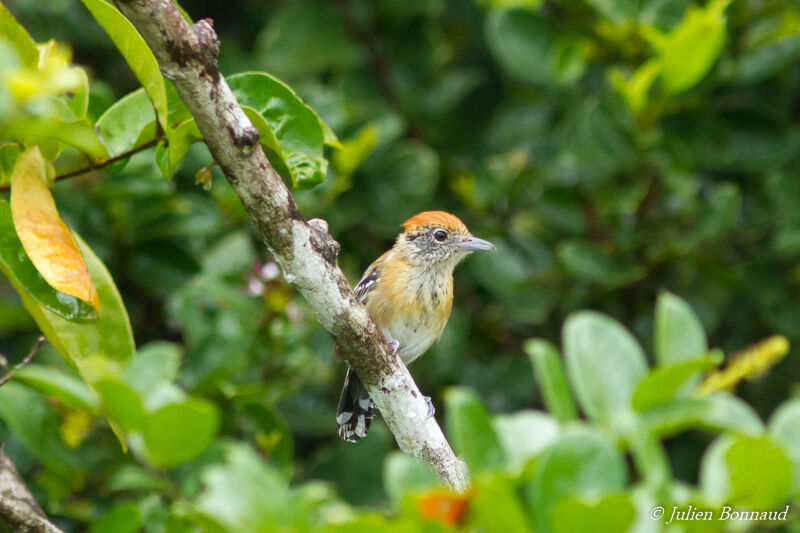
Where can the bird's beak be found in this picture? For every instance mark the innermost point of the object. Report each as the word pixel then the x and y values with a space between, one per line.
pixel 474 244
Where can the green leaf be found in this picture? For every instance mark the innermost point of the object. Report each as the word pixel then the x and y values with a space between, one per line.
pixel 295 125
pixel 24 276
pixel 53 382
pixel 727 474
pixel 96 348
pixel 79 102
pixel 496 507
pixel 551 377
pixel 761 62
pixel 580 464
pixel 663 384
pixel 692 47
pixel 604 363
pixel 9 153
pixel 179 432
pixel 121 403
pixel 129 122
pixel 520 41
pixel 79 134
pixel 470 431
pixel 19 38
pixel 123 518
pixel 180 139
pixel 610 514
pixel 679 335
pixel 155 363
pixel 404 474
pixel 523 435
pixel 784 428
pixel 717 412
pixel 26 413
pixel 245 495
pixel 135 51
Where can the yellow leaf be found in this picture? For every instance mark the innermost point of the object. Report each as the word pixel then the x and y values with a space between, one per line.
pixel 46 238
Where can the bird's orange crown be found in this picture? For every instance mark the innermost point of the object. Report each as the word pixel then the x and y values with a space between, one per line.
pixel 438 218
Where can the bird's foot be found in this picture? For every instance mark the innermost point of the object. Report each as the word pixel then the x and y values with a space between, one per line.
pixel 395 346
pixel 431 408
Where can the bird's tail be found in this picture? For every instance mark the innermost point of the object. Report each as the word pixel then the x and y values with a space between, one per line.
pixel 355 409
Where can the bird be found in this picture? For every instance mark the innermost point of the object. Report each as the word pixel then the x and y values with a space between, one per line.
pixel 408 292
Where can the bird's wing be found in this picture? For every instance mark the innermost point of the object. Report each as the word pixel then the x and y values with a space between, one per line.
pixel 367 283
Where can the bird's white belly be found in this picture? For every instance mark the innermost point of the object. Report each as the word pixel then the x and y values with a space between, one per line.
pixel 414 340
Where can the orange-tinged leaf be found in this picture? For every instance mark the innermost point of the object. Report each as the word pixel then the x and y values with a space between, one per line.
pixel 443 506
pixel 47 240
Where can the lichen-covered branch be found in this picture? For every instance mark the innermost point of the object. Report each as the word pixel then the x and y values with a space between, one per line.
pixel 306 252
pixel 18 509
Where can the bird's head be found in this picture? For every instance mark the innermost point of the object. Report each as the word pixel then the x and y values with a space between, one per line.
pixel 439 237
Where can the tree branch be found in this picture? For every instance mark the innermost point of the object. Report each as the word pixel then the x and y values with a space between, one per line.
pixel 28 358
pixel 17 506
pixel 307 253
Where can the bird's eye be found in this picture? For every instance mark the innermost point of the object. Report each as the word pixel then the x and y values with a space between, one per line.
pixel 440 235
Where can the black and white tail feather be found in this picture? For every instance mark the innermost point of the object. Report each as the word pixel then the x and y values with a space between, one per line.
pixel 355 409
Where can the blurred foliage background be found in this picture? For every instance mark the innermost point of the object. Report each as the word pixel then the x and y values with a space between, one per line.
pixel 610 148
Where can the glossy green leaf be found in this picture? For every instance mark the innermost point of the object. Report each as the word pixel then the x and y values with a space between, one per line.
pixel 663 384
pixel 179 432
pixel 610 514
pixel 580 464
pixel 27 414
pixel 19 38
pixel 129 122
pixel 470 432
pixel 552 380
pixel 692 47
pixel 79 134
pixel 404 474
pixel 296 127
pixel 523 435
pixel 520 41
pixel 604 364
pixel 135 51
pixel 19 269
pixel 96 347
pixel 53 382
pixel 679 335
pixel 784 429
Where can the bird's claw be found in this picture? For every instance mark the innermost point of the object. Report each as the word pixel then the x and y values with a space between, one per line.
pixel 395 346
pixel 431 408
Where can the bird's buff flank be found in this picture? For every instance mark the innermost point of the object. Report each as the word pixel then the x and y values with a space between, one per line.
pixel 408 292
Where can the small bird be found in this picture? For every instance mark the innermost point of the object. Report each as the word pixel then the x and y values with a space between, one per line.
pixel 408 292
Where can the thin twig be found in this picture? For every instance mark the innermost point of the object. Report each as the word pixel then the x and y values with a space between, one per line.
pixel 104 164
pixel 28 358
